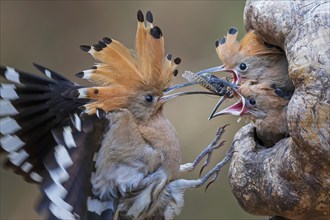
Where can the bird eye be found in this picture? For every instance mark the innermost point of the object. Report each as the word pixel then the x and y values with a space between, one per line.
pixel 252 101
pixel 149 98
pixel 243 67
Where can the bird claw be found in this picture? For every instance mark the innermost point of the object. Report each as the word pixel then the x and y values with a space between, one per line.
pixel 215 177
pixel 205 164
pixel 216 169
pixel 206 152
pixel 209 149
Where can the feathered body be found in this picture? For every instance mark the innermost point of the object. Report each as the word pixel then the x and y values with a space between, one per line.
pixel 101 149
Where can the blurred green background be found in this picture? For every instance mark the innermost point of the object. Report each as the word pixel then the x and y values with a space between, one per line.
pixel 50 32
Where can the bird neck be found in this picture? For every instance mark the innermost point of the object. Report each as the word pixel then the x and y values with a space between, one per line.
pixel 273 127
pixel 161 134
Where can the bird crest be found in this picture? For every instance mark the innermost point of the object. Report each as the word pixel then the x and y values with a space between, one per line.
pixel 229 49
pixel 122 73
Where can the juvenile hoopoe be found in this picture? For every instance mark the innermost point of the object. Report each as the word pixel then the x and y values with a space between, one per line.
pixel 98 151
pixel 262 103
pixel 265 106
pixel 251 58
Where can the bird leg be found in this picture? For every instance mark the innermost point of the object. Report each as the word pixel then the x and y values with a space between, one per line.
pixel 173 192
pixel 206 152
pixel 180 185
pixel 216 169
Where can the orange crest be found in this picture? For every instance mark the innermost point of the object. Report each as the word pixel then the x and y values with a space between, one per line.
pixel 229 49
pixel 122 73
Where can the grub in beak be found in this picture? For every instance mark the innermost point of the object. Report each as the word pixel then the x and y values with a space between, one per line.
pixel 222 68
pixel 213 84
pixel 210 82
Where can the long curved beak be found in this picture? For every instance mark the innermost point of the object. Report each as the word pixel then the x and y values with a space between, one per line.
pixel 178 86
pixel 171 96
pixel 237 109
pixel 213 113
pixel 222 68
pixel 168 96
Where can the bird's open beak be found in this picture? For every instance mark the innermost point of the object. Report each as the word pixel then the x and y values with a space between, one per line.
pixel 239 108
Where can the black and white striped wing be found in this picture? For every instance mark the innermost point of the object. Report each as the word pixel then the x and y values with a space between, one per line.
pixel 29 109
pixel 66 186
pixel 49 142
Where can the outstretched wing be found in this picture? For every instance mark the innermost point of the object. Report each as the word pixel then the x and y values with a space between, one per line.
pixel 30 109
pixel 47 139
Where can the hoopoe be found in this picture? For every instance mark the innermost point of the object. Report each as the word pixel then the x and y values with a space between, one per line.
pixel 251 58
pixel 265 106
pixel 105 149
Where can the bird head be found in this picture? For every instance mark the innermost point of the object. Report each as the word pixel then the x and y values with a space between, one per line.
pixel 256 100
pixel 135 80
pixel 247 59
pixel 250 58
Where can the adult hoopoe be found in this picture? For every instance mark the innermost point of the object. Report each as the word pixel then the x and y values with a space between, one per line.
pixel 252 58
pixel 102 150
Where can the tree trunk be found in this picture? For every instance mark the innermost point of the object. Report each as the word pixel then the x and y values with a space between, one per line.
pixel 291 179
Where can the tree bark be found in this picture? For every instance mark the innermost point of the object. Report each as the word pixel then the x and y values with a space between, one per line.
pixel 291 179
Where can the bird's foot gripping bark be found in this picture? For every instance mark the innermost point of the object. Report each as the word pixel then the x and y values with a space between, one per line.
pixel 207 152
